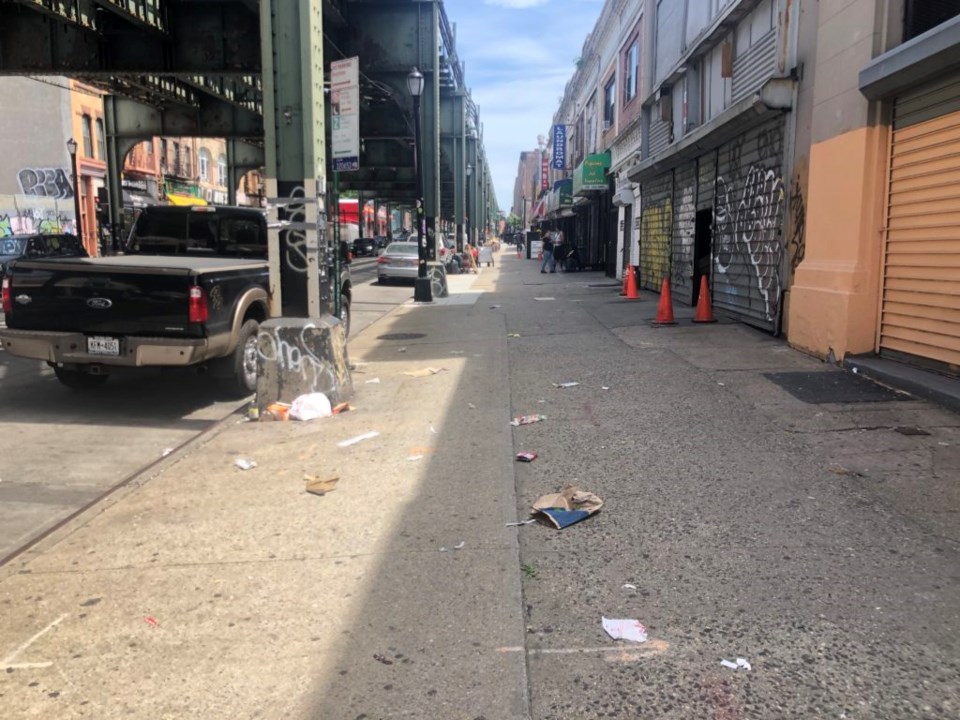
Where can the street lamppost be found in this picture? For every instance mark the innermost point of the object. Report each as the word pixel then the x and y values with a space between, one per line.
pixel 422 292
pixel 469 212
pixel 72 149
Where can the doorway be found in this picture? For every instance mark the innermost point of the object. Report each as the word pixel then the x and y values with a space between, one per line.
pixel 701 251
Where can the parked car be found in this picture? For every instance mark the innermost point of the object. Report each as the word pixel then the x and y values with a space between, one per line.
pixel 398 261
pixel 191 290
pixel 39 245
pixel 380 242
pixel 364 246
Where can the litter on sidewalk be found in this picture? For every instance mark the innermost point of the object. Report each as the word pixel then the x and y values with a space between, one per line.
pixel 320 486
pixel 310 406
pixel 358 438
pixel 526 456
pixel 625 629
pixel 569 506
pixel 373 381
pixel 522 522
pixel 527 420
pixel 740 664
pixel 565 385
pixel 245 463
pixel 425 372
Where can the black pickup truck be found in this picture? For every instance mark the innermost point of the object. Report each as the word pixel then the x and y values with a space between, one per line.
pixel 190 289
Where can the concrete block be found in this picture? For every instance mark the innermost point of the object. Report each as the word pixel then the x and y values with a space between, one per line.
pixel 302 355
pixel 437 273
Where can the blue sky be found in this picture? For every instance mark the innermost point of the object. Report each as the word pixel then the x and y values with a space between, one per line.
pixel 519 54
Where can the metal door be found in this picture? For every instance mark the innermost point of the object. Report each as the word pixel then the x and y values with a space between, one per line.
pixel 920 304
pixel 656 230
pixel 748 221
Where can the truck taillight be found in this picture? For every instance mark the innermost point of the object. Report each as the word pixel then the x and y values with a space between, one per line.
pixel 7 298
pixel 198 311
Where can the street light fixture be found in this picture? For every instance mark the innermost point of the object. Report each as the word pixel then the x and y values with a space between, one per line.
pixel 78 224
pixel 469 207
pixel 422 292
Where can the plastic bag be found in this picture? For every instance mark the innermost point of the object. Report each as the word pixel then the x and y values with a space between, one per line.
pixel 310 407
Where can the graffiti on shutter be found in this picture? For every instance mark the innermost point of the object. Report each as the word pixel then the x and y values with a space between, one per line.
pixel 655 230
pixel 748 217
pixel 684 222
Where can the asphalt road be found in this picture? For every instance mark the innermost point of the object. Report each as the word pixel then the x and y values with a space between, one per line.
pixel 61 450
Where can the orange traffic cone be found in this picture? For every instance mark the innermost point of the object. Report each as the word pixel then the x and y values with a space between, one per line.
pixel 704 312
pixel 539 255
pixel 665 308
pixel 632 293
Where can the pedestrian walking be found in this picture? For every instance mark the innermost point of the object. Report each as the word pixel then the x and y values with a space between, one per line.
pixel 548 254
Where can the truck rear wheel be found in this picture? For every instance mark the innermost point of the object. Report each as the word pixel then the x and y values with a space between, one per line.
pixel 243 378
pixel 345 314
pixel 79 380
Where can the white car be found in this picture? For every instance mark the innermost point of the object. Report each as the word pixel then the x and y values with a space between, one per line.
pixel 398 261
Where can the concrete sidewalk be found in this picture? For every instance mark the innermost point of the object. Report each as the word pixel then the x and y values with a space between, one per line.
pixel 811 538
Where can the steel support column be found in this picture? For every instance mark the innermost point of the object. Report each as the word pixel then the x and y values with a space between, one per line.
pixel 291 37
pixel 428 60
pixel 119 143
pixel 472 206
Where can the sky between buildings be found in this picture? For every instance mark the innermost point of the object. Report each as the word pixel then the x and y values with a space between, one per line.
pixel 519 54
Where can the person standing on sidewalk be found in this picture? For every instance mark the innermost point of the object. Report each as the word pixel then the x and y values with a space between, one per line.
pixel 548 254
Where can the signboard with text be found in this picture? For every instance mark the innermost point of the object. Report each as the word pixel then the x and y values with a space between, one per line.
pixel 559 147
pixel 345 114
pixel 544 172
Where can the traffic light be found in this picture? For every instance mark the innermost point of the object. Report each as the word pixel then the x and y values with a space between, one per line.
pixel 103 206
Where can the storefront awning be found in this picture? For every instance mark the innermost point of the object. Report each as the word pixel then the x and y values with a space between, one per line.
pixel 184 200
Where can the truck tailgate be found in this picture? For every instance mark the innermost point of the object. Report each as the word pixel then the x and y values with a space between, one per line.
pixel 101 295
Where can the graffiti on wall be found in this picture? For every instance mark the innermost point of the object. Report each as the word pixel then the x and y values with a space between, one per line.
pixel 796 241
pixel 45 182
pixel 35 220
pixel 655 242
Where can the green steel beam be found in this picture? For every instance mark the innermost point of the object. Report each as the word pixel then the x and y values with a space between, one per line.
pixel 291 39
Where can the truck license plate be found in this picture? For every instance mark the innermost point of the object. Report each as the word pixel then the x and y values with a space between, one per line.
pixel 103 345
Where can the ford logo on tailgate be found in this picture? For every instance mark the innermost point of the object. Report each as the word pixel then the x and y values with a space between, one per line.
pixel 99 303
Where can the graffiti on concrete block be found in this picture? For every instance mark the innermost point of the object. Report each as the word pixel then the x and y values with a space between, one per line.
pixel 45 182
pixel 297 358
